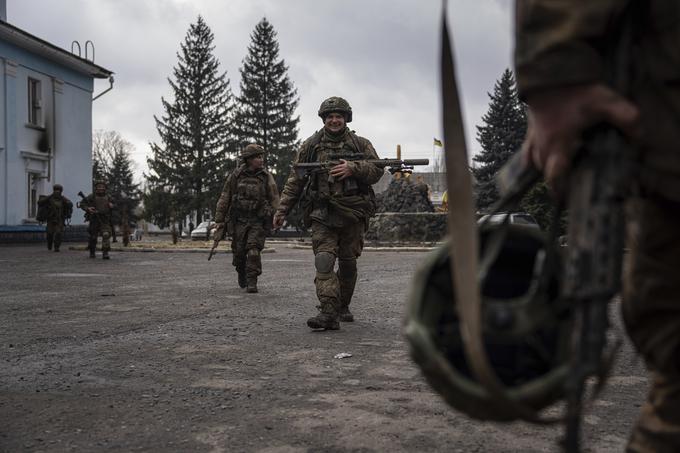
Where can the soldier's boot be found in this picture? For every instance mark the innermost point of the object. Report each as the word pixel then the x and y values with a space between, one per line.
pixel 239 262
pixel 106 244
pixel 92 246
pixel 347 277
pixel 327 319
pixel 252 285
pixel 328 293
pixel 253 269
pixel 242 279
pixel 57 241
pixel 50 238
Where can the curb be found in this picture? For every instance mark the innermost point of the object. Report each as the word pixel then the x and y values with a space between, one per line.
pixel 378 249
pixel 163 250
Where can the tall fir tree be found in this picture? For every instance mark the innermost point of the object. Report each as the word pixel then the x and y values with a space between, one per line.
pixel 189 167
pixel 267 103
pixel 501 135
pixel 122 187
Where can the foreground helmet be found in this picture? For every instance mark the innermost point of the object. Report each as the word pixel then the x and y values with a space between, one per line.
pixel 58 187
pixel 251 150
pixel 525 331
pixel 336 104
pixel 100 182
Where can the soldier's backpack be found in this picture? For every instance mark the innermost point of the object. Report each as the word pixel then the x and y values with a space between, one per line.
pixel 43 208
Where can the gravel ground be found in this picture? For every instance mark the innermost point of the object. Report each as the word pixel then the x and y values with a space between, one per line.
pixel 163 352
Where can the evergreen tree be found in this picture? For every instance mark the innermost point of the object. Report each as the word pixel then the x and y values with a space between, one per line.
pixel 196 151
pixel 122 187
pixel 267 102
pixel 505 124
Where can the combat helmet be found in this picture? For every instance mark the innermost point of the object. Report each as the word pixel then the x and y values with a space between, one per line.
pixel 525 329
pixel 57 187
pixel 251 150
pixel 100 182
pixel 336 104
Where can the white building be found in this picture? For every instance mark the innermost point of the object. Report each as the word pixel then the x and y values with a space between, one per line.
pixel 45 122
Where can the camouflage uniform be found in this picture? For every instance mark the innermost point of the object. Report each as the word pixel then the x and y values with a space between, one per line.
pixel 58 209
pixel 100 221
pixel 248 200
pixel 557 45
pixel 338 217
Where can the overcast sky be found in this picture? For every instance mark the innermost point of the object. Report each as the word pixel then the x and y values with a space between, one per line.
pixel 382 56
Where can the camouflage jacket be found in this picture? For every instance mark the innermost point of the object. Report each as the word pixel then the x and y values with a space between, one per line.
pixel 247 196
pixel 57 208
pixel 318 148
pixel 558 43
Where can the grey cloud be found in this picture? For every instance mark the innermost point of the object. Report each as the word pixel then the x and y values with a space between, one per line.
pixel 382 56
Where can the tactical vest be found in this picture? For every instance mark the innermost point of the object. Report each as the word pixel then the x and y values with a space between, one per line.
pixel 250 195
pixel 349 149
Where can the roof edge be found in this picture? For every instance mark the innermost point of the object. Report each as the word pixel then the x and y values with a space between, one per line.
pixel 27 41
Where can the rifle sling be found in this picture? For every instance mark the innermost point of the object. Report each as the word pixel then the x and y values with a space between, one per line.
pixel 464 243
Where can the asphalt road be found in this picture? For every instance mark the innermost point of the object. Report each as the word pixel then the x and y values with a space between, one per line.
pixel 163 352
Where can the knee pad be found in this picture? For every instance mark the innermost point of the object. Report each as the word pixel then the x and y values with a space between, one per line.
pixel 252 253
pixel 347 267
pixel 324 262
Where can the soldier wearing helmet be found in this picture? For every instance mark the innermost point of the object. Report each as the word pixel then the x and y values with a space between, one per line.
pixel 337 205
pixel 244 210
pixel 55 209
pixel 98 207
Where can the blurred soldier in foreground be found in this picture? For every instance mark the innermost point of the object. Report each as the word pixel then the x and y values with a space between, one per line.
pixel 560 69
pixel 337 205
pixel 244 210
pixel 98 207
pixel 55 210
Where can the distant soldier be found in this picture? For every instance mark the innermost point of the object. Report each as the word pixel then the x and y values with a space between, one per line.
pixel 245 209
pixel 55 210
pixel 337 210
pixel 98 207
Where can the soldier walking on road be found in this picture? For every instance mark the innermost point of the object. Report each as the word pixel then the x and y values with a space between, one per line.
pixel 337 210
pixel 98 207
pixel 55 209
pixel 560 69
pixel 244 210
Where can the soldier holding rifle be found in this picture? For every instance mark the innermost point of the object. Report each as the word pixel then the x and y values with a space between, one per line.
pixel 244 210
pixel 333 173
pixel 98 207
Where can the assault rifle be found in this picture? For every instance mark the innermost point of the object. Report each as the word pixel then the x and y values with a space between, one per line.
pixel 305 169
pixel 220 234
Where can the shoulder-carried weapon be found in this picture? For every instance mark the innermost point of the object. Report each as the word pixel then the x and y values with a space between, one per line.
pixel 306 168
pixel 220 234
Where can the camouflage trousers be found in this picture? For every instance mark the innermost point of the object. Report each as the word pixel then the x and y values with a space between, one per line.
pixel 246 244
pixel 55 233
pixel 95 230
pixel 335 289
pixel 651 310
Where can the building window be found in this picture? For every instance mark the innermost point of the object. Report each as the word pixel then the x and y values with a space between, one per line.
pixel 32 195
pixel 34 102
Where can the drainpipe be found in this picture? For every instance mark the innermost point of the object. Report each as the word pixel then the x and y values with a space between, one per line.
pixel 106 90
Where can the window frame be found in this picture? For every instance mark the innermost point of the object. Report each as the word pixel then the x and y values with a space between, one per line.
pixel 35 116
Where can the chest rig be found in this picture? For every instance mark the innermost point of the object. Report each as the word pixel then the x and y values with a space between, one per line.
pixel 250 197
pixel 321 150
